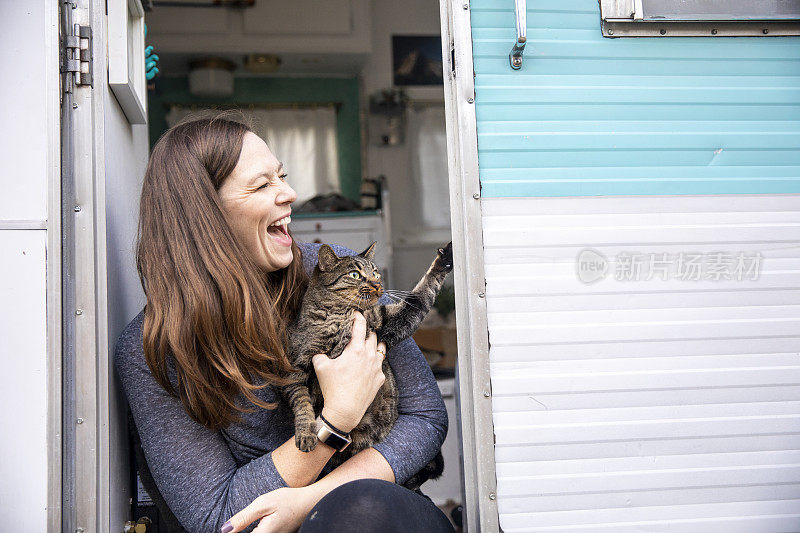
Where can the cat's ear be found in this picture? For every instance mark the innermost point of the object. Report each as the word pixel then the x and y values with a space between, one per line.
pixel 327 258
pixel 369 253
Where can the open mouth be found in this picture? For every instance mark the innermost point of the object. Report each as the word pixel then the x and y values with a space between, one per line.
pixel 279 231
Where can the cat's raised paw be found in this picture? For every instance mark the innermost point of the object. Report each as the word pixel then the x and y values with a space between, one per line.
pixel 305 441
pixel 446 256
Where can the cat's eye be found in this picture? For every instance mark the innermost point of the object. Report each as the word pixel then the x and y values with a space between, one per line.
pixel 355 275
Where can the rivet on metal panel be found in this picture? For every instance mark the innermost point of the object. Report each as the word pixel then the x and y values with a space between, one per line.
pixel 466 6
pixel 492 496
pixel 79 311
pixel 77 209
pixel 470 99
pixel 74 5
pixel 610 31
pixel 487 394
pixel 765 31
pixel 714 32
pixel 74 106
pixel 476 195
pixel 481 295
pixel 79 421
pixel 663 31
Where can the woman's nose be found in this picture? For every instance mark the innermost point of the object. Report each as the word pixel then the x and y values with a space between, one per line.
pixel 286 195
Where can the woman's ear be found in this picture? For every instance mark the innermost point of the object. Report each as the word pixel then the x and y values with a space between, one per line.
pixel 369 253
pixel 327 258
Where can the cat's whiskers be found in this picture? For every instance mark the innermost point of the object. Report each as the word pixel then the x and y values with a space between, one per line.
pixel 402 298
pixel 397 291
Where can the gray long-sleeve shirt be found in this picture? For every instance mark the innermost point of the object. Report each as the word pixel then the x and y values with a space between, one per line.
pixel 207 476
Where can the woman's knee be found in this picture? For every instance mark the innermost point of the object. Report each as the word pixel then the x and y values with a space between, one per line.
pixel 374 505
pixel 363 498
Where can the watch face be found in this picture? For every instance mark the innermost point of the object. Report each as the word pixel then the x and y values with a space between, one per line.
pixel 336 442
pixel 329 437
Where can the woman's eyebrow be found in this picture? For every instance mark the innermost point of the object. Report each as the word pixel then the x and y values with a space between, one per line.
pixel 265 175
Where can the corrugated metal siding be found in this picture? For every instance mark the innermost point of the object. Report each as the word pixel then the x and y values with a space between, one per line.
pixel 661 405
pixel 591 116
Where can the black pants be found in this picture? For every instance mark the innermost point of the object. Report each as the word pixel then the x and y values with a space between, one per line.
pixel 374 505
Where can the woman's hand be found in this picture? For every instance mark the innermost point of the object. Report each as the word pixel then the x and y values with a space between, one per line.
pixel 282 510
pixel 349 382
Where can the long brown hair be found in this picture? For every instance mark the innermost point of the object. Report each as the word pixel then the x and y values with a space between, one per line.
pixel 210 308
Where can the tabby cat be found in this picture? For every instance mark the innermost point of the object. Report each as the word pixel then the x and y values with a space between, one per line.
pixel 340 286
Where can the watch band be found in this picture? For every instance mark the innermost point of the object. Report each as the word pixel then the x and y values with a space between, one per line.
pixel 331 437
pixel 328 423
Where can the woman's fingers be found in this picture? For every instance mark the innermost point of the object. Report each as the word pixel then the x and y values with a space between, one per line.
pixel 372 342
pixel 319 361
pixel 256 510
pixel 359 327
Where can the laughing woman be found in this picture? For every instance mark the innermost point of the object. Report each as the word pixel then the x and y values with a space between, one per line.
pixel 202 362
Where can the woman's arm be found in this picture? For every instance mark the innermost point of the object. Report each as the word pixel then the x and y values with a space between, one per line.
pixel 192 466
pixel 413 441
pixel 285 509
pixel 421 427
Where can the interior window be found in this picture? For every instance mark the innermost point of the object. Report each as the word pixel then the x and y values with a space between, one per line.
pixel 426 128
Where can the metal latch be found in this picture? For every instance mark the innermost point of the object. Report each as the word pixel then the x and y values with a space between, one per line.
pixel 515 56
pixel 78 54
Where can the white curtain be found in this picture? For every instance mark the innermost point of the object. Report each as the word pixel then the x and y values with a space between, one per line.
pixel 428 143
pixel 304 139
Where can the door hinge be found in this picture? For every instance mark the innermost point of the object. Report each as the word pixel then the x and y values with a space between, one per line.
pixel 77 55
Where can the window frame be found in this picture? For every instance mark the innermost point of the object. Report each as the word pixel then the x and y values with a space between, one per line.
pixel 628 18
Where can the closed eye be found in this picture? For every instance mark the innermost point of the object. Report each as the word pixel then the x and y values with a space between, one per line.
pixel 267 183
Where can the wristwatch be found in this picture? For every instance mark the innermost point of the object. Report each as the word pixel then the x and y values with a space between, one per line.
pixel 328 434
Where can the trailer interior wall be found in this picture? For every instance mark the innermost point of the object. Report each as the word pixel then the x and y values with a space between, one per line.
pixel 125 161
pixel 121 150
pixel 30 280
pixel 642 403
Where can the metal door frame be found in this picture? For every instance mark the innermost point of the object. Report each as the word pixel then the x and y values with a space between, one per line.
pixel 474 385
pixel 82 320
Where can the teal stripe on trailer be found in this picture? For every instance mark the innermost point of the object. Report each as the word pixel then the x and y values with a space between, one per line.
pixel 590 116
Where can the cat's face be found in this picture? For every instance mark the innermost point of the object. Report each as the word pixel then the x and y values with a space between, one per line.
pixel 350 281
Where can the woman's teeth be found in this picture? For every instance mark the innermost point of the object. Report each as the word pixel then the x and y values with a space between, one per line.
pixel 282 222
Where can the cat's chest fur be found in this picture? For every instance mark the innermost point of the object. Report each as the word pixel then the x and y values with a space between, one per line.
pixel 321 329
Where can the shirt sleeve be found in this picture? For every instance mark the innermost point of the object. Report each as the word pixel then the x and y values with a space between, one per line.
pixel 191 465
pixel 421 426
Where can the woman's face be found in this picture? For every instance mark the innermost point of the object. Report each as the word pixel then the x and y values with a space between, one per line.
pixel 255 199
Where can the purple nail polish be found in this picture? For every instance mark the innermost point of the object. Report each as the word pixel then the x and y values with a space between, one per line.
pixel 227 527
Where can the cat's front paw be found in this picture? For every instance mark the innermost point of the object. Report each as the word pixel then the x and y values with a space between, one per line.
pixel 445 257
pixel 305 440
